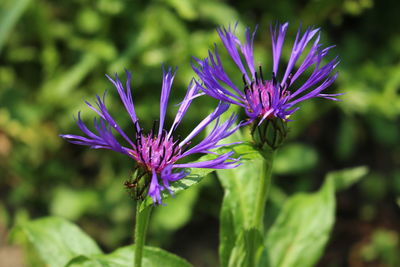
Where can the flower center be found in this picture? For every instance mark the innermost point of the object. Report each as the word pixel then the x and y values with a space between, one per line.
pixel 265 96
pixel 156 152
pixel 259 96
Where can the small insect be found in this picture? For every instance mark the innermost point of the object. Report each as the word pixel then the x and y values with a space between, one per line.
pixel 137 187
pixel 130 185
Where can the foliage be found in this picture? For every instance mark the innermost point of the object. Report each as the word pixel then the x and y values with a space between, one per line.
pixel 61 243
pixel 54 54
pixel 300 232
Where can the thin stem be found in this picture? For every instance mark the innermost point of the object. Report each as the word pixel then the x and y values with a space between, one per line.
pixel 264 186
pixel 142 219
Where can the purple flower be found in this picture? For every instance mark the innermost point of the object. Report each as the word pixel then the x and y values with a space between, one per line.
pixel 158 150
pixel 275 98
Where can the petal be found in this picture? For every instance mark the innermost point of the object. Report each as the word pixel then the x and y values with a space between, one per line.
pixel 315 92
pixel 168 78
pixel 190 95
pixel 105 115
pixel 248 50
pixel 221 108
pixel 278 37
pixel 230 41
pixel 317 76
pixel 104 139
pixel 214 78
pixel 219 132
pixel 218 163
pixel 167 176
pixel 297 50
pixel 126 96
pixel 155 188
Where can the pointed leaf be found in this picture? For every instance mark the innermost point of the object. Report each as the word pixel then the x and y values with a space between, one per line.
pixel 240 187
pixel 345 178
pixel 57 240
pixel 11 11
pixel 227 235
pixel 152 257
pixel 247 249
pixel 302 229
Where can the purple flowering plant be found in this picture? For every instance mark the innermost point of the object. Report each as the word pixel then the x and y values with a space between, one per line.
pixel 157 151
pixel 268 104
pixel 160 157
pixel 275 99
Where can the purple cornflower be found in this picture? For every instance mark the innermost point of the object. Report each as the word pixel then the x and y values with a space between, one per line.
pixel 157 151
pixel 273 98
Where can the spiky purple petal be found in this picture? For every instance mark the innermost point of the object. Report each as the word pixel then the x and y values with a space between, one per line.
pixel 218 163
pixel 168 78
pixel 126 96
pixel 221 108
pixel 103 139
pixel 155 188
pixel 230 41
pixel 277 36
pixel 168 176
pixel 190 95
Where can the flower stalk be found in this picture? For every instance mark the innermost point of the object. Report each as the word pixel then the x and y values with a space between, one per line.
pixel 267 136
pixel 142 220
pixel 263 189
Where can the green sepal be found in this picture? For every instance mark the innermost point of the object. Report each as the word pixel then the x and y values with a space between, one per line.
pixel 269 135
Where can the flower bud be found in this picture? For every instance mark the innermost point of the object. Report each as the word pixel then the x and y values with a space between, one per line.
pixel 269 135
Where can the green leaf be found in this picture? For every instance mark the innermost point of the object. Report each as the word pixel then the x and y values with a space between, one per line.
pixel 70 203
pixel 122 257
pixel 238 203
pixel 227 231
pixel 185 9
pixel 345 178
pixel 302 229
pixel 61 86
pixel 11 11
pixel 212 11
pixel 239 186
pixel 57 240
pixel 295 158
pixel 181 206
pixel 247 249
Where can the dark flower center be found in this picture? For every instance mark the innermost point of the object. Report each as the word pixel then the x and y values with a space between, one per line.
pixel 155 151
pixel 259 94
pixel 265 95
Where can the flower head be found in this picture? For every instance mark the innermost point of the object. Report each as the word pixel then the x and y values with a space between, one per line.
pixel 157 151
pixel 275 98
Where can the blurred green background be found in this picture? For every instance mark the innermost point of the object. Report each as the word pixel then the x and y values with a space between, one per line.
pixel 54 54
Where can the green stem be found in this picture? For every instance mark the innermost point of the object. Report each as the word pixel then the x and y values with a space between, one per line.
pixel 142 219
pixel 263 189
